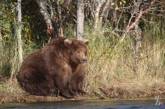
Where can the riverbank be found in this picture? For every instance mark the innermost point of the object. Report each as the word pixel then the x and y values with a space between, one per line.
pixel 39 99
pixel 10 92
pixel 88 104
pixel 110 75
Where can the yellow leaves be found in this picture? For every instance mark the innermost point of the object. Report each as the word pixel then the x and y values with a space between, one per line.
pixel 116 8
pixel 118 3
pixel 122 2
pixel 112 4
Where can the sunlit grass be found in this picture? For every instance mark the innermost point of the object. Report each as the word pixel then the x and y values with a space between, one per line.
pixel 110 68
pixel 111 72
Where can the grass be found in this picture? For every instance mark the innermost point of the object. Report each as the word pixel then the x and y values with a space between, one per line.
pixel 110 71
pixel 10 92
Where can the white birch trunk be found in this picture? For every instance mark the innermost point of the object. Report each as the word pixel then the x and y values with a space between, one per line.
pixel 1 45
pixel 0 39
pixel 18 50
pixel 97 16
pixel 43 9
pixel 137 38
pixel 19 32
pixel 104 12
pixel 80 19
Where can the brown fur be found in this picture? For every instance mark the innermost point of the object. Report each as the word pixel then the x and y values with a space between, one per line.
pixel 54 68
pixel 78 79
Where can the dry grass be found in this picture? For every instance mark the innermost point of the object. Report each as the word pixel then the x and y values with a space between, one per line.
pixel 111 72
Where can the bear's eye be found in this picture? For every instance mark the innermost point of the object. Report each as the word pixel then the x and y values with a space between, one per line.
pixel 78 52
pixel 85 52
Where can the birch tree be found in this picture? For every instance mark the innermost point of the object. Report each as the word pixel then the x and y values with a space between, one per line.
pixel 1 45
pixel 97 13
pixel 47 17
pixel 100 9
pixel 80 19
pixel 18 50
pixel 19 31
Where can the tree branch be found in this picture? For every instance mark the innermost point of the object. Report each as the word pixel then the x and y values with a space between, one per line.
pixel 139 16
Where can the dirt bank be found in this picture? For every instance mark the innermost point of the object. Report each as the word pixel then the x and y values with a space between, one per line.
pixel 10 92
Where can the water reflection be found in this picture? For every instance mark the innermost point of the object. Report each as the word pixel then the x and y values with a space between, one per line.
pixel 87 105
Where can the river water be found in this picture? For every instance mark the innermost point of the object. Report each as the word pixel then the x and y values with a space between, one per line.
pixel 88 105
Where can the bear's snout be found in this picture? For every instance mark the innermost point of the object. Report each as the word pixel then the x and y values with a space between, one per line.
pixel 84 60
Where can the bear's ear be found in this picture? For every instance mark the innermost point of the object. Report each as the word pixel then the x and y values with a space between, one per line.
pixel 67 42
pixel 86 41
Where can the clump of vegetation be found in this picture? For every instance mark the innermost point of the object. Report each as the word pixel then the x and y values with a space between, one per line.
pixel 111 71
pixel 126 43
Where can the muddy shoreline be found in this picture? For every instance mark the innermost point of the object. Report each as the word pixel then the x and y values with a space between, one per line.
pixel 10 92
pixel 38 99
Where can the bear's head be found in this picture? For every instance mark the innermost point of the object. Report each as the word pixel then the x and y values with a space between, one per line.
pixel 77 49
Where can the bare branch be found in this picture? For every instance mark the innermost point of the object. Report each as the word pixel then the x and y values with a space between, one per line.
pixel 139 16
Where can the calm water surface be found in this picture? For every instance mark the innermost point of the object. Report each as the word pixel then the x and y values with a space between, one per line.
pixel 88 105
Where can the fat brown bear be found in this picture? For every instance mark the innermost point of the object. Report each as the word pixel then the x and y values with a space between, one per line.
pixel 56 68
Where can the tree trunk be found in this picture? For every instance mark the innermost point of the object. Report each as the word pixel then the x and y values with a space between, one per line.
pixel 0 34
pixel 80 19
pixel 18 49
pixel 1 51
pixel 137 45
pixel 0 39
pixel 101 12
pixel 1 45
pixel 105 11
pixel 19 32
pixel 97 17
pixel 66 3
pixel 60 29
pixel 43 9
pixel 137 38
pixel 50 2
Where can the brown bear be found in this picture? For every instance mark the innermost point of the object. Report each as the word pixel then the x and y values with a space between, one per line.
pixel 53 68
pixel 77 79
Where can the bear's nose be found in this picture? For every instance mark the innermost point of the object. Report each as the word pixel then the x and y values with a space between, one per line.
pixel 84 61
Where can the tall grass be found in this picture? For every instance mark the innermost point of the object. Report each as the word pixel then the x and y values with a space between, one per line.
pixel 110 69
pixel 111 72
